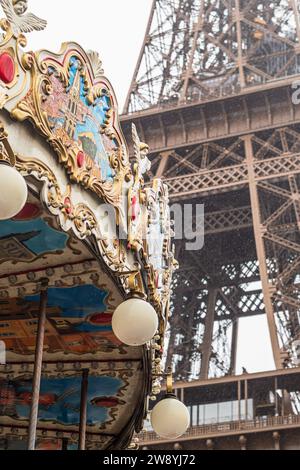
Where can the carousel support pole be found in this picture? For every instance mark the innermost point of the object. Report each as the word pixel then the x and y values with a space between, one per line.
pixel 83 409
pixel 38 362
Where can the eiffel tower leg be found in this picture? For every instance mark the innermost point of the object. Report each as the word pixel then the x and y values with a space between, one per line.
pixel 261 253
pixel 208 334
pixel 297 16
pixel 234 339
pixel 240 42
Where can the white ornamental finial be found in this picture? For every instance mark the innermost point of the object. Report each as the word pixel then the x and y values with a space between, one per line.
pixel 21 23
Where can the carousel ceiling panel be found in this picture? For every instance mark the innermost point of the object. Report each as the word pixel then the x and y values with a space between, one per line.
pixel 32 240
pixel 81 296
pixel 112 397
pixel 78 325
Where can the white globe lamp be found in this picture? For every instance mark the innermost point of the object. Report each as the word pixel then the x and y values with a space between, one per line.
pixel 170 418
pixel 135 322
pixel 13 191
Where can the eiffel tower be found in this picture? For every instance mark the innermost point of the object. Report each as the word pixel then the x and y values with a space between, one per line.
pixel 214 96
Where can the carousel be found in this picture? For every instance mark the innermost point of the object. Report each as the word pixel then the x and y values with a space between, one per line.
pixel 86 259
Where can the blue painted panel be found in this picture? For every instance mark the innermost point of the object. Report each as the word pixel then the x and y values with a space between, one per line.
pixel 41 237
pixel 60 399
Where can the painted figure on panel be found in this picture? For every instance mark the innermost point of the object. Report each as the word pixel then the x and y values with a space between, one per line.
pixel 49 444
pixel 79 123
pixel 60 399
pixel 81 309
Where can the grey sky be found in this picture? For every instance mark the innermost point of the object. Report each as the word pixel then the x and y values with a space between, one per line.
pixel 114 28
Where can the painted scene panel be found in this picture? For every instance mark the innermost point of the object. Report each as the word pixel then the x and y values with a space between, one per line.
pixel 78 322
pixel 59 401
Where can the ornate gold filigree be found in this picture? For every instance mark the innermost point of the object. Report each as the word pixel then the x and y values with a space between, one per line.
pixel 12 46
pixel 79 217
pixel 149 230
pixel 45 68
pixel 96 64
pixel 6 153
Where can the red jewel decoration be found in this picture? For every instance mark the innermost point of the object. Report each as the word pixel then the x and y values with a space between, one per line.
pixel 107 402
pixel 68 205
pixel 101 318
pixel 30 211
pixel 80 159
pixel 7 68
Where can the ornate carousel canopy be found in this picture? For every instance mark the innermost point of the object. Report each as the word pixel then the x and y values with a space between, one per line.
pixel 89 236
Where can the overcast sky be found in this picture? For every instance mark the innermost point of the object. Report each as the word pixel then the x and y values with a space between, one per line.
pixel 116 28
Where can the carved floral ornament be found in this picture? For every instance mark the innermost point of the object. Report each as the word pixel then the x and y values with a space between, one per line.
pixel 73 106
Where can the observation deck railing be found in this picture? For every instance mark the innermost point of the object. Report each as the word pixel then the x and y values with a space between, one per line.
pixel 227 428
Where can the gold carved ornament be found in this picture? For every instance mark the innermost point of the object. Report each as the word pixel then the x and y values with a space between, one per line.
pixel 83 221
pixel 148 207
pixel 32 108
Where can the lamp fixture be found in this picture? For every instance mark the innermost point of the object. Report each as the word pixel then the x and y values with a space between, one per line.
pixel 170 417
pixel 135 322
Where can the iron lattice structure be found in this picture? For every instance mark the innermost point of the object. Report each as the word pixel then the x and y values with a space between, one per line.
pixel 206 49
pixel 212 95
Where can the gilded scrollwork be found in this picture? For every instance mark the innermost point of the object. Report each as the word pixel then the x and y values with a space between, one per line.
pixel 77 217
pixel 149 229
pixel 74 107
pixel 13 79
pixel 137 214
